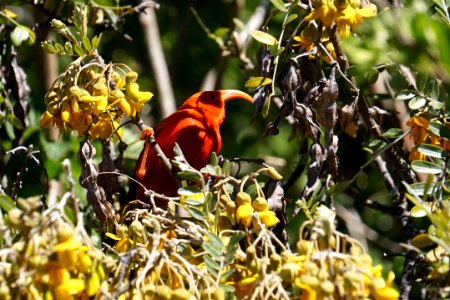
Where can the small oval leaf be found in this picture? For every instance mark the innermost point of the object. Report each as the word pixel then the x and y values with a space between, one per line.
pixel 421 241
pixel 6 203
pixel 279 5
pixel 263 37
pixel 421 188
pixel 432 150
pixel 425 167
pixel 439 129
pixel 393 133
pixel 417 103
pixel 254 82
pixel 405 95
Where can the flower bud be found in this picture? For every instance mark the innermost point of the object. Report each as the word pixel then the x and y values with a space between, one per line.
pixel 274 174
pixel 289 271
pixel 243 198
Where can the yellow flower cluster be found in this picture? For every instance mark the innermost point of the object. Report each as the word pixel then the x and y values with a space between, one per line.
pixel 246 208
pixel 346 15
pixel 72 272
pixel 420 134
pixel 322 268
pixel 92 101
pixel 50 258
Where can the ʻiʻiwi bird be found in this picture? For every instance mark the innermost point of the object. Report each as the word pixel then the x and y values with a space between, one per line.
pixel 195 127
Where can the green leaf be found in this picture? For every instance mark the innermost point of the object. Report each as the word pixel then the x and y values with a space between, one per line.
pixel 263 37
pixel 96 41
pixel 227 274
pixel 436 104
pixel 188 191
pixel 266 107
pixel 432 150
pixel 393 133
pixel 279 5
pixel 6 202
pixel 421 188
pixel 78 50
pixel 209 169
pixel 339 187
pixel 211 265
pixel 68 47
pixel 15 121
pixel 439 129
pixel 254 82
pixel 417 103
pixel 86 43
pixel 405 95
pixel 426 167
pixel 361 180
pixel 291 18
pixel 59 49
pixel 421 210
pixel 214 159
pixel 212 250
pixel 189 175
pixel 197 214
pixel 421 241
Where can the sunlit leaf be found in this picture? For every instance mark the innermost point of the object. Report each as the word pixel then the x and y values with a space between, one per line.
pixel 405 95
pixel 211 265
pixel 279 5
pixel 421 188
pixel 339 187
pixel 436 104
pixel 417 103
pixel 393 133
pixel 422 209
pixel 257 81
pixel 291 18
pixel 439 129
pixel 432 150
pixel 421 240
pixel 78 50
pixel 263 37
pixel 426 167
pixel 87 43
pixel 189 175
pixel 197 213
pixel 6 202
pixel 96 41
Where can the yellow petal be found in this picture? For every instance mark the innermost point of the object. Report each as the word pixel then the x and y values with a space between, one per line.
pixel 244 214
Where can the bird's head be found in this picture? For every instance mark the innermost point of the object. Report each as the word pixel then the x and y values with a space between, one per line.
pixel 212 103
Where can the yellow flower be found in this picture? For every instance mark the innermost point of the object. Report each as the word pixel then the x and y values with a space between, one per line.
pixel 104 127
pixel 306 38
pixel 385 291
pixel 325 12
pixel 419 127
pixel 69 288
pixel 244 214
pixel 67 253
pixel 246 286
pixel 308 292
pixel 346 14
pixel 268 218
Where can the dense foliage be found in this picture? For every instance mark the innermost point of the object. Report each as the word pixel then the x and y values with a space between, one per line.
pixel 333 186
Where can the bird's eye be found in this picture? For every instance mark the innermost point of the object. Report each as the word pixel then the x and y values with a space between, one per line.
pixel 212 97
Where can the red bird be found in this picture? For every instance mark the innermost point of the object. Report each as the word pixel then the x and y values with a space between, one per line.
pixel 195 127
